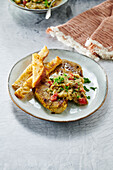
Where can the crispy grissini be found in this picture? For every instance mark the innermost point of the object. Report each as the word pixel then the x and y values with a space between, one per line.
pixel 23 77
pixel 28 71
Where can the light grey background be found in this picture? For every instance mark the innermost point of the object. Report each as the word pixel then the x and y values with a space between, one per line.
pixel 28 143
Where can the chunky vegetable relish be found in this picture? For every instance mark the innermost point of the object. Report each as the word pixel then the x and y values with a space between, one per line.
pixel 68 86
pixel 37 4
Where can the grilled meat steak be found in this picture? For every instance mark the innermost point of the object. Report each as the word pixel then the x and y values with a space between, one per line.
pixel 51 99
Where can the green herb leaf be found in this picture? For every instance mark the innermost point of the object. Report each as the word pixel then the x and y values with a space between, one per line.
pixel 78 97
pixel 93 88
pixel 66 87
pixel 86 80
pixel 88 97
pixel 78 84
pixel 64 74
pixel 46 3
pixel 52 79
pixel 78 88
pixel 75 78
pixel 61 88
pixel 85 88
pixel 59 79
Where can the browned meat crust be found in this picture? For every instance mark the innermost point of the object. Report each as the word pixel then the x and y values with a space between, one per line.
pixel 41 93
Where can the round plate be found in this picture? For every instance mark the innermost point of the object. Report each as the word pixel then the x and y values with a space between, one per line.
pixel 91 70
pixel 37 10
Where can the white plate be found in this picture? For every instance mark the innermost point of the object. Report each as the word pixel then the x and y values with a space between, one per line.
pixel 91 69
pixel 37 10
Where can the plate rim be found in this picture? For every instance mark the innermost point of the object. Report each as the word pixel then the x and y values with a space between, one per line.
pixel 60 121
pixel 36 10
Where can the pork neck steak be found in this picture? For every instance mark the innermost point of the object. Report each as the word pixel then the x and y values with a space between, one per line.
pixel 41 91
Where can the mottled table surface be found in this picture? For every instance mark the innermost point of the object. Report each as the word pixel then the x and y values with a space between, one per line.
pixel 29 143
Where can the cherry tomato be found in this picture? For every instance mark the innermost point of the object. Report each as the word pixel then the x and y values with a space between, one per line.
pixel 82 101
pixel 54 97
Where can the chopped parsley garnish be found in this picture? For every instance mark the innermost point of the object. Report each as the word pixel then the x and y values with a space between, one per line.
pixel 52 79
pixel 85 88
pixel 59 79
pixel 88 97
pixel 86 80
pixel 78 97
pixel 78 84
pixel 64 74
pixel 78 88
pixel 93 88
pixel 61 88
pixel 66 87
pixel 46 3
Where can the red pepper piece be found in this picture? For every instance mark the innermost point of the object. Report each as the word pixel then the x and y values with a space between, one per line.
pixel 82 101
pixel 67 84
pixel 71 76
pixel 82 89
pixel 76 86
pixel 50 83
pixel 54 97
pixel 24 2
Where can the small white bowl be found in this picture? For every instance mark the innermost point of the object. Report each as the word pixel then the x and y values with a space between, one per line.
pixel 38 10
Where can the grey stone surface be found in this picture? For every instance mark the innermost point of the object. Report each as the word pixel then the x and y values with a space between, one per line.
pixel 28 143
